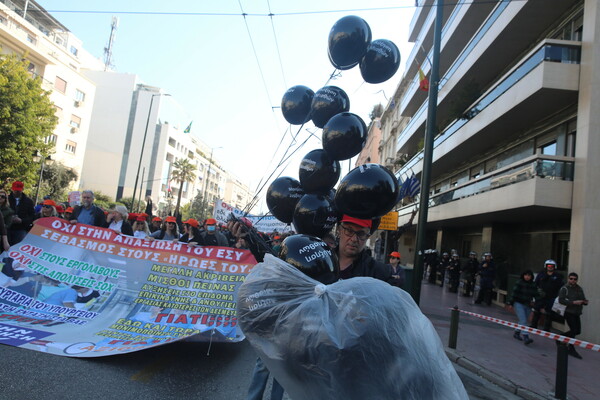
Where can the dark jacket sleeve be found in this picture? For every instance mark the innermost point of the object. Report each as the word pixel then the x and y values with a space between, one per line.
pixel 2 227
pixel 126 229
pixel 99 217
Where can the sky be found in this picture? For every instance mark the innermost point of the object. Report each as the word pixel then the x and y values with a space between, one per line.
pixel 227 73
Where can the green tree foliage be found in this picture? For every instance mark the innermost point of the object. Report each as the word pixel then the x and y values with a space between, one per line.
pixel 26 118
pixel 128 202
pixel 183 171
pixel 376 112
pixel 193 209
pixel 56 180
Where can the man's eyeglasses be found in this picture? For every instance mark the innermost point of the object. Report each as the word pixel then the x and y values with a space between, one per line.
pixel 572 279
pixel 361 235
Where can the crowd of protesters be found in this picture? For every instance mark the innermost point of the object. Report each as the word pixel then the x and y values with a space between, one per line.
pixel 19 213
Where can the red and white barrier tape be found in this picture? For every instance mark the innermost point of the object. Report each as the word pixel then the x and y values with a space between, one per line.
pixel 549 335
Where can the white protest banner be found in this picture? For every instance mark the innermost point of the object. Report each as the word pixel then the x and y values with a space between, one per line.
pixel 266 224
pixel 83 291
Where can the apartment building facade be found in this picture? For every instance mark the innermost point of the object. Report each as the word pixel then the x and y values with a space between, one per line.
pixel 56 56
pixel 514 170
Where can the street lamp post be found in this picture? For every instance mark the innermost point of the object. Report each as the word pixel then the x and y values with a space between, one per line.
pixel 43 161
pixel 137 174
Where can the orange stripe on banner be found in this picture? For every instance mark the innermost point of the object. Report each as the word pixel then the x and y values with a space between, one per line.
pixel 549 335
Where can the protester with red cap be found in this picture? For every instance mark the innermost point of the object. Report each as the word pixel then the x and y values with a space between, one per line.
pixel 24 213
pixel 191 233
pixel 211 236
pixel 168 230
pixel 398 274
pixel 140 228
pixel 353 259
pixel 155 225
pixel 48 209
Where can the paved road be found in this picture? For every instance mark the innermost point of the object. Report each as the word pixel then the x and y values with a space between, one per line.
pixel 175 371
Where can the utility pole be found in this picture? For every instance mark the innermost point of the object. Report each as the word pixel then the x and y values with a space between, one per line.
pixel 431 125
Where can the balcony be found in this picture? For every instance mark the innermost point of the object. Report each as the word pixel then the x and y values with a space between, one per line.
pixel 504 36
pixel 523 191
pixel 460 26
pixel 547 80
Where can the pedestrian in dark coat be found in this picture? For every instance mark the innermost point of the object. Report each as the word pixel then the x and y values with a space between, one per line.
pixel 573 297
pixel 523 296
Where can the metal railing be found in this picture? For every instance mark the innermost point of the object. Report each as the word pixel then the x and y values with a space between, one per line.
pixel 542 166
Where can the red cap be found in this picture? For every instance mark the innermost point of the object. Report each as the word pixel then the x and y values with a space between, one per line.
pixel 277 238
pixel 211 221
pixel 140 218
pixel 395 254
pixel 49 202
pixel 365 223
pixel 132 216
pixel 17 186
pixel 69 210
pixel 157 219
pixel 144 215
pixel 60 209
pixel 192 222
pixel 171 219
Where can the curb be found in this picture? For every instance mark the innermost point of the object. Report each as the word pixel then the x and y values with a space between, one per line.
pixel 494 378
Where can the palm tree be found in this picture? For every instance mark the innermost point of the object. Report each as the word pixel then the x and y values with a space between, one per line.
pixel 183 171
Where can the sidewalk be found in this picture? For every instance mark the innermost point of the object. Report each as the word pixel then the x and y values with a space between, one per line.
pixel 490 350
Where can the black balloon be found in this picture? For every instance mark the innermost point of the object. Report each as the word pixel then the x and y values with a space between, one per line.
pixel 368 191
pixel 380 62
pixel 312 256
pixel 295 104
pixel 348 41
pixel 282 196
pixel 314 215
pixel 327 102
pixel 344 136
pixel 318 172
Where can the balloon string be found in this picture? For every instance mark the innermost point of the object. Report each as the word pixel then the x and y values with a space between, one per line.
pixel 283 159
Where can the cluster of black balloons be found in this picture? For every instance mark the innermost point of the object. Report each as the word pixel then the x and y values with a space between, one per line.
pixel 368 191
pixel 349 45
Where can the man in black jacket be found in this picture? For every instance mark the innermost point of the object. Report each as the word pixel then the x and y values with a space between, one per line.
pixel 24 213
pixel 87 212
pixel 353 259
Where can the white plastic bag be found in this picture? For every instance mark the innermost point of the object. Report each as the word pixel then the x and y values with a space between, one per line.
pixel 359 338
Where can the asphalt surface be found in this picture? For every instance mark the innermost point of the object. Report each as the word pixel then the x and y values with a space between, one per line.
pixel 180 370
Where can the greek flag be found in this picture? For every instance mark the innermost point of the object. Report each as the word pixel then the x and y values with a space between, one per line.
pixel 414 186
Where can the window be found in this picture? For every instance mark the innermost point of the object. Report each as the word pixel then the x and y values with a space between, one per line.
pixel 75 121
pixel 79 96
pixel 74 50
pixel 170 157
pixel 50 139
pixel 70 147
pixel 549 149
pixel 172 142
pixel 60 85
pixel 58 111
pixel 31 39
